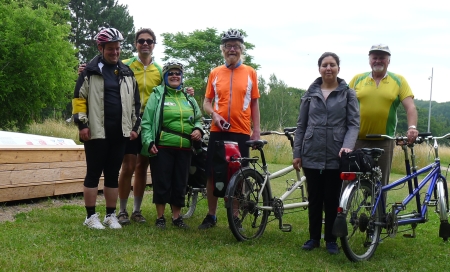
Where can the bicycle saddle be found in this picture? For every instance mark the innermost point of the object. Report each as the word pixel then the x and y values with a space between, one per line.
pixel 256 143
pixel 374 152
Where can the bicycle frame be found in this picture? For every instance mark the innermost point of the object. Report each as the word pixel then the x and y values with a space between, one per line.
pixel 434 170
pixel 362 211
pixel 249 199
pixel 414 188
pixel 279 173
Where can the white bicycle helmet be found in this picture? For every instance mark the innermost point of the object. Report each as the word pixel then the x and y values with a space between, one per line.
pixel 232 34
pixel 108 35
pixel 172 64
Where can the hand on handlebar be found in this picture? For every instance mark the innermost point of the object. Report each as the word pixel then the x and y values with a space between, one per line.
pixel 344 150
pixel 297 164
pixel 412 135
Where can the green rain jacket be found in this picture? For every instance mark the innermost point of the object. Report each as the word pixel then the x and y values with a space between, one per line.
pixel 172 109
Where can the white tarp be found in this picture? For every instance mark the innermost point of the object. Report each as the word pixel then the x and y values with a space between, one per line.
pixel 15 138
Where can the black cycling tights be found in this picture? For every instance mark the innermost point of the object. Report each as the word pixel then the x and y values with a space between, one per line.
pixel 104 155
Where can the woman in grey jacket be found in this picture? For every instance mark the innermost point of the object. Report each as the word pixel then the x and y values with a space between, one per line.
pixel 328 125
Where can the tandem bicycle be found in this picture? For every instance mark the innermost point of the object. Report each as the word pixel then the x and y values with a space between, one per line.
pixel 249 198
pixel 365 217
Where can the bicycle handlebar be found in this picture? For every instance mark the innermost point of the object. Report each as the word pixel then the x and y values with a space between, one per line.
pixel 287 130
pixel 419 139
pixel 271 132
pixel 446 136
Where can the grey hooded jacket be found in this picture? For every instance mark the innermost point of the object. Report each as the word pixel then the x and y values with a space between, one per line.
pixel 326 126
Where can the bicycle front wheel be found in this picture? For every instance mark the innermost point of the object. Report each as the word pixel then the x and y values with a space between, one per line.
pixel 193 195
pixel 245 219
pixel 363 235
pixel 442 208
pixel 442 205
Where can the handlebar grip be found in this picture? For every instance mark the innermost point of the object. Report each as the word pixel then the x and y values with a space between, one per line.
pixel 373 136
pixel 290 129
pixel 424 134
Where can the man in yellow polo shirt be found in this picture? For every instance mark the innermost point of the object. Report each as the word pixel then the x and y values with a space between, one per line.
pixel 379 93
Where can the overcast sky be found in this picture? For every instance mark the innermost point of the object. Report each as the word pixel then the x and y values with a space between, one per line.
pixel 290 36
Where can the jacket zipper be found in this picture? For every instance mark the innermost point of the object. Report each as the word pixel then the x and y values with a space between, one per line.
pixel 231 94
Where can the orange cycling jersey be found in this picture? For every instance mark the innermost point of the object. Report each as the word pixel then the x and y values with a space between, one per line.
pixel 232 91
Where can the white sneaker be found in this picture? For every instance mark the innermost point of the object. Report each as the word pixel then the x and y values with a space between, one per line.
pixel 93 222
pixel 112 222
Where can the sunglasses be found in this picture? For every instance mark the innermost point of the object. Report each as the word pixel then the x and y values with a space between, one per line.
pixel 235 46
pixel 174 73
pixel 148 41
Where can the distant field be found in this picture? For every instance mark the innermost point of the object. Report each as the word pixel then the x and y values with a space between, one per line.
pixel 277 150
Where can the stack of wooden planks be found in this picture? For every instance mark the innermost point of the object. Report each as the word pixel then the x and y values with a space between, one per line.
pixel 28 172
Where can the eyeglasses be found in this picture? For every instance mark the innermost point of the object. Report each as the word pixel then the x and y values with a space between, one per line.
pixel 235 46
pixel 174 73
pixel 148 41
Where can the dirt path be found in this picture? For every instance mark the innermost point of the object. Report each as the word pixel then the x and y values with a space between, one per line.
pixel 9 210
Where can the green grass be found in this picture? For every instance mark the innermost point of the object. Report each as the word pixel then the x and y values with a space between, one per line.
pixel 54 239
pixel 55 128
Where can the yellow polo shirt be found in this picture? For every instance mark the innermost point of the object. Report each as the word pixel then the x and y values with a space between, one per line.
pixel 378 104
pixel 146 77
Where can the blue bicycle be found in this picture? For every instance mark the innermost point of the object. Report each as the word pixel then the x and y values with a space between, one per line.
pixel 364 216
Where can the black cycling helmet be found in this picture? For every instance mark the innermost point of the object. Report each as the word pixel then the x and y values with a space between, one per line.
pixel 232 34
pixel 108 35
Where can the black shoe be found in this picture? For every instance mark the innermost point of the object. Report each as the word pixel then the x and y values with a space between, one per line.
pixel 208 222
pixel 161 222
pixel 179 223
pixel 332 248
pixel 311 244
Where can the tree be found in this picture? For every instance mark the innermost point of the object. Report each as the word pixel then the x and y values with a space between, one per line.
pixel 279 105
pixel 36 60
pixel 199 51
pixel 89 17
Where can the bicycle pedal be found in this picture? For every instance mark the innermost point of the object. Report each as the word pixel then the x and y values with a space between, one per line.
pixel 399 207
pixel 286 228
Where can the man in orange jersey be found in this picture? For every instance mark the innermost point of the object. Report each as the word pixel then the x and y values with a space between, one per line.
pixel 234 89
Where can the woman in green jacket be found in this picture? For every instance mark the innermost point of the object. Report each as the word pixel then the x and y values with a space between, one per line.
pixel 170 124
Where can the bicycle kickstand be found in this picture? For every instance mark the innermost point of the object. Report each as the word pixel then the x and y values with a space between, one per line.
pixel 413 234
pixel 285 227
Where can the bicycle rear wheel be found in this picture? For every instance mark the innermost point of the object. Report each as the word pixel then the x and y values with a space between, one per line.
pixel 363 235
pixel 245 219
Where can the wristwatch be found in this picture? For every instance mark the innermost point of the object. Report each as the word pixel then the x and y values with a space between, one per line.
pixel 412 127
